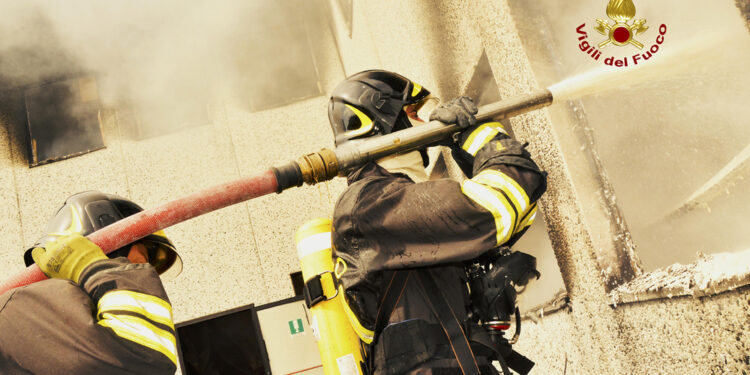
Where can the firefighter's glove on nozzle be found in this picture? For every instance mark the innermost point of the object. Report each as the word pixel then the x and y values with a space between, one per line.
pixel 66 257
pixel 459 111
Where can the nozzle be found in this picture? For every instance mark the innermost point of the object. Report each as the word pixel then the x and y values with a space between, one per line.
pixel 326 164
pixel 515 106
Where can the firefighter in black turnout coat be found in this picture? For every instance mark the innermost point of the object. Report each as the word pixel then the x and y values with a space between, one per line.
pixel 97 314
pixel 405 239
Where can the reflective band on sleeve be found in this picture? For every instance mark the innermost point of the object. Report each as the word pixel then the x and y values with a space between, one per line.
pixel 502 181
pixel 142 332
pixel 529 219
pixel 364 334
pixel 480 136
pixel 313 244
pixel 147 305
pixel 494 202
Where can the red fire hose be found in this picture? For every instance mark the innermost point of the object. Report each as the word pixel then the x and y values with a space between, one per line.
pixel 311 169
pixel 142 224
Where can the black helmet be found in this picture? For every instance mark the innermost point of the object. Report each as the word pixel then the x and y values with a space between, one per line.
pixel 89 211
pixel 370 103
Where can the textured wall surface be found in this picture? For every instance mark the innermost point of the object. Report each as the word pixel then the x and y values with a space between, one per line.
pixel 244 254
pixel 235 256
pixel 593 337
pixel 682 335
pixel 232 257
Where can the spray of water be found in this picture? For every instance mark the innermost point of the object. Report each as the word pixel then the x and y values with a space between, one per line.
pixel 674 62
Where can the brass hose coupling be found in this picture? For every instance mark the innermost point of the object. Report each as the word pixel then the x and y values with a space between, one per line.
pixel 318 166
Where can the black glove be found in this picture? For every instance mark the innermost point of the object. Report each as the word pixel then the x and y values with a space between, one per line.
pixel 459 111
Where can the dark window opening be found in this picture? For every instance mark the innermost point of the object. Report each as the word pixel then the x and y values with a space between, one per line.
pixel 273 53
pixel 63 120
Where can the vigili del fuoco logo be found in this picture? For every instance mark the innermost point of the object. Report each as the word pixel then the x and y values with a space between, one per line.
pixel 623 34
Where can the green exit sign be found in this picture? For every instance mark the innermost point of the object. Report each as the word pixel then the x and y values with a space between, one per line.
pixel 296 327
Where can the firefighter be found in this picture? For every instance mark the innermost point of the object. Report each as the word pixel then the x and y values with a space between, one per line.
pixel 97 314
pixel 403 239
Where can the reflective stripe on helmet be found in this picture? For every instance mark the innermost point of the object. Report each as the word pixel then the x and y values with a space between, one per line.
pixel 416 89
pixel 75 226
pixel 366 124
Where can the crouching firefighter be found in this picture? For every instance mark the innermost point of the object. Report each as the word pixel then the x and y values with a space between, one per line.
pixel 403 248
pixel 97 314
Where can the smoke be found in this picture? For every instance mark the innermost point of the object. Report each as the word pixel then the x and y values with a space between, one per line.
pixel 162 56
pixel 701 54
pixel 663 128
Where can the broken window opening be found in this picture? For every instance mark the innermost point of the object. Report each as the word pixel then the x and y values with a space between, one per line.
pixel 63 120
pixel 273 51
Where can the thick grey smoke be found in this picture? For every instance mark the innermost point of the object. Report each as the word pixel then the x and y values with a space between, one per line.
pixel 159 56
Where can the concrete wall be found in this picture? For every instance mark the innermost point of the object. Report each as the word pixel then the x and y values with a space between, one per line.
pixel 236 256
pixel 243 254
pixel 665 336
pixel 239 255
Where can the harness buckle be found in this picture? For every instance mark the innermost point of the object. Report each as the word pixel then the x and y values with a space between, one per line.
pixel 313 289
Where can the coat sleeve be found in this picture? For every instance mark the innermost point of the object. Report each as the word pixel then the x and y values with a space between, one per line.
pixel 117 321
pixel 391 222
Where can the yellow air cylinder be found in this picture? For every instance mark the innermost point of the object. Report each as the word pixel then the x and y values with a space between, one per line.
pixel 338 343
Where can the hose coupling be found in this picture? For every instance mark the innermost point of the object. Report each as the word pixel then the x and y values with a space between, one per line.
pixel 318 166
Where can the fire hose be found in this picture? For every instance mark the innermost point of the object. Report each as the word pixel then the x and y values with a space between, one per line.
pixel 310 169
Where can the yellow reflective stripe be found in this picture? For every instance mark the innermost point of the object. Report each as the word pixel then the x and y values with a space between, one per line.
pixel 494 202
pixel 147 305
pixel 313 226
pixel 366 123
pixel 529 219
pixel 314 243
pixel 76 225
pixel 502 181
pixel 416 89
pixel 481 135
pixel 364 334
pixel 142 333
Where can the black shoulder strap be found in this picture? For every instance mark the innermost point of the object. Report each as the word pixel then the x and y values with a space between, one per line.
pixel 449 322
pixel 385 308
pixel 390 298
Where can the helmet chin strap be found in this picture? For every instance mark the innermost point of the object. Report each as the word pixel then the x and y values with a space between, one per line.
pixel 409 164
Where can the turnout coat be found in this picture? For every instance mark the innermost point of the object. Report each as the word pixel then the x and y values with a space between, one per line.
pixel 385 222
pixel 117 321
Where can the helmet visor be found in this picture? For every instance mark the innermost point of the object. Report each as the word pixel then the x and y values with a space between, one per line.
pixel 161 256
pixel 422 109
pixel 165 259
